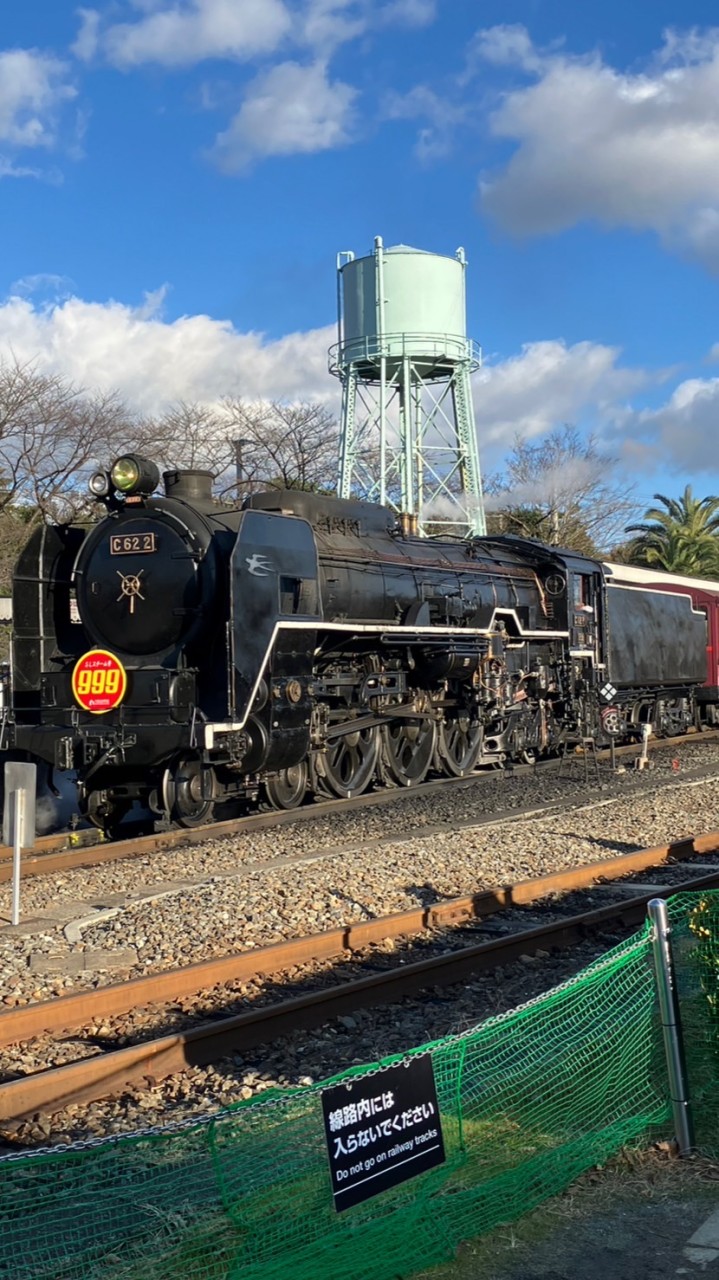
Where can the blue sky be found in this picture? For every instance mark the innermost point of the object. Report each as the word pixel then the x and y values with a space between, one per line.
pixel 177 176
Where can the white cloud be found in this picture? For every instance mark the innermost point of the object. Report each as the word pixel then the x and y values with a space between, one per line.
pixel 635 149
pixel 42 283
pixel 186 32
pixel 324 25
pixel 88 38
pixel 412 13
pixel 435 139
pixel 547 385
pixel 683 431
pixel 292 106
pixel 8 169
pixel 289 109
pixel 34 86
pixel 153 363
pixel 505 46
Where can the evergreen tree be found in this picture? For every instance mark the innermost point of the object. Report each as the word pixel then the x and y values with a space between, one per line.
pixel 680 536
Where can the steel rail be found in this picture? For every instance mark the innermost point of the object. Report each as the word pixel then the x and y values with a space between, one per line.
pixel 64 1013
pixel 68 851
pixel 94 1078
pixel 101 1076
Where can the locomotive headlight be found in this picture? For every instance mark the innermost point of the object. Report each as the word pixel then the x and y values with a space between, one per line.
pixel 99 484
pixel 124 474
pixel 133 474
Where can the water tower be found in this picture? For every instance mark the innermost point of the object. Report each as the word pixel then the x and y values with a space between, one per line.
pixel 408 437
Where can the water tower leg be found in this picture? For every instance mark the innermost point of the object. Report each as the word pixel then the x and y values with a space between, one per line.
pixel 347 438
pixel 469 451
pixel 408 450
pixel 383 430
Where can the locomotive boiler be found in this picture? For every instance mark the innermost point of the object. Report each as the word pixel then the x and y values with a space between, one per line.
pixel 178 653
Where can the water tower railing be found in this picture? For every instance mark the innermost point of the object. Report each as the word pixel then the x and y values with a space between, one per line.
pixel 421 348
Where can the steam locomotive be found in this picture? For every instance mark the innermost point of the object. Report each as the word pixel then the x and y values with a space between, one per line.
pixel 178 654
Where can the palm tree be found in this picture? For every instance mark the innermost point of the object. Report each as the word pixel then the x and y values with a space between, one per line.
pixel 682 538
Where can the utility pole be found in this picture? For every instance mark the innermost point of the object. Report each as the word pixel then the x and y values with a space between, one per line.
pixel 238 446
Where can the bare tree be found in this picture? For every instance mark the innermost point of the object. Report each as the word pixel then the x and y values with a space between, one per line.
pixel 283 446
pixel 15 527
pixel 189 435
pixel 51 434
pixel 248 445
pixel 564 490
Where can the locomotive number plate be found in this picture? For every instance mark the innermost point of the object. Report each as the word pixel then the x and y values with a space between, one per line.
pixel 125 544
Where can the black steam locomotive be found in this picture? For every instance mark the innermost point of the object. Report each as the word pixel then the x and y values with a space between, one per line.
pixel 179 653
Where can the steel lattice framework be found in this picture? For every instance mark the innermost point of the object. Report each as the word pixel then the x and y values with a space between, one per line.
pixel 408 436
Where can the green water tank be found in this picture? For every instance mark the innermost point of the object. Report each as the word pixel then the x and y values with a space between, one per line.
pixel 403 302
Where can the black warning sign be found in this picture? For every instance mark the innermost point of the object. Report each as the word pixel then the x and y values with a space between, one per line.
pixel 381 1129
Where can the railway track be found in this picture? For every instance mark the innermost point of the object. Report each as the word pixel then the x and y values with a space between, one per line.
pixel 109 1073
pixel 68 851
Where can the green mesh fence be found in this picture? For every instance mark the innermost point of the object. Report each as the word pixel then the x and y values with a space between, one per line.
pixel 527 1101
pixel 694 921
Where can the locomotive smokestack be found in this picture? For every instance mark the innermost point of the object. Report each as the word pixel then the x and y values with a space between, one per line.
pixel 189 486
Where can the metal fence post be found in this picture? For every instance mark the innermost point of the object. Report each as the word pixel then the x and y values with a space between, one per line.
pixel 671 1024
pixel 17 800
pixel 18 820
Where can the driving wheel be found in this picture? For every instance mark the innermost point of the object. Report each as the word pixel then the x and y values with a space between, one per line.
pixel 347 766
pixel 408 749
pixel 459 742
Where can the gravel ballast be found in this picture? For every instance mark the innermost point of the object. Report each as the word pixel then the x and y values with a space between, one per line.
pixel 127 918
pixel 251 890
